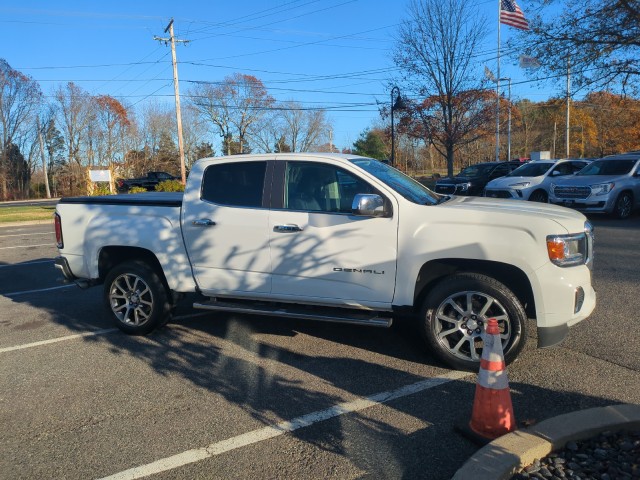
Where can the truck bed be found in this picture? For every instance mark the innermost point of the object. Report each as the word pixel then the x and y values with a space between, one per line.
pixel 151 199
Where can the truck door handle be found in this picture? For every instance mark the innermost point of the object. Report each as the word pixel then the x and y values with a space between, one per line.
pixel 288 228
pixel 203 222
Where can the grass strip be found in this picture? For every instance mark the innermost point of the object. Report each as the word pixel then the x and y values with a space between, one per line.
pixel 26 213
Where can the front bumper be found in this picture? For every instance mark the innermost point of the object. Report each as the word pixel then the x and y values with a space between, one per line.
pixel 510 193
pixel 599 204
pixel 552 336
pixel 564 297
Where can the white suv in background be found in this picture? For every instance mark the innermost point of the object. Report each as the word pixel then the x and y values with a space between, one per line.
pixel 532 180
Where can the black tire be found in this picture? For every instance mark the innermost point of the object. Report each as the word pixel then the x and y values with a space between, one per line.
pixel 136 297
pixel 461 347
pixel 539 196
pixel 623 206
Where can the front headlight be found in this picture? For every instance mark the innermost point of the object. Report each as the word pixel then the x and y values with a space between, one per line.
pixel 602 188
pixel 463 187
pixel 520 185
pixel 572 249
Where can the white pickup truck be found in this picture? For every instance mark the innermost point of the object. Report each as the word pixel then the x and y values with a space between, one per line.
pixel 337 238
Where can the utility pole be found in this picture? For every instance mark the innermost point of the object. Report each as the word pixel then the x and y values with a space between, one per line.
pixel 173 41
pixel 44 160
pixel 568 100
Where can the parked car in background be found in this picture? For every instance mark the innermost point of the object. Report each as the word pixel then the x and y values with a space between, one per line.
pixel 472 179
pixel 532 181
pixel 609 185
pixel 147 182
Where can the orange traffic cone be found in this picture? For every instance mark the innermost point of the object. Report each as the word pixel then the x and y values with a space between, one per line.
pixel 492 414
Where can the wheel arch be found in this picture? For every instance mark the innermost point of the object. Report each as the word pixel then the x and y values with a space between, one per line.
pixel 512 277
pixel 629 191
pixel 626 190
pixel 111 256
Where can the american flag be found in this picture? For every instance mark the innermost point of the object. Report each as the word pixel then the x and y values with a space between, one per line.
pixel 510 14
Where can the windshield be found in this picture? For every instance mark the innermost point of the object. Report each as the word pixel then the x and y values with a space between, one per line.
pixel 532 169
pixel 475 171
pixel 406 186
pixel 608 167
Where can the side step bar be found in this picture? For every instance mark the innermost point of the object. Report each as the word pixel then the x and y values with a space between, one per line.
pixel 335 315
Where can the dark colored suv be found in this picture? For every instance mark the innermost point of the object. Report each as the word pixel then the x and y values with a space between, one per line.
pixel 472 179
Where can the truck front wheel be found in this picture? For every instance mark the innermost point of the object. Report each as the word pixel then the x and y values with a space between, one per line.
pixel 454 316
pixel 137 298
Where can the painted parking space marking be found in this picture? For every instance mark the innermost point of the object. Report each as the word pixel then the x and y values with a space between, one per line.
pixel 81 335
pixel 56 340
pixel 275 430
pixel 26 234
pixel 29 246
pixel 24 292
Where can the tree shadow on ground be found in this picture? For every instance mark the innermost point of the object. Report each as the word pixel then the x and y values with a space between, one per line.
pixel 245 360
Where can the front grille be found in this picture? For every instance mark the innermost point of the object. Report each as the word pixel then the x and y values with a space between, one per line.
pixel 498 194
pixel 446 189
pixel 572 192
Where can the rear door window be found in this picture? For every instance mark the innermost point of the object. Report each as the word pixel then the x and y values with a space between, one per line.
pixel 239 184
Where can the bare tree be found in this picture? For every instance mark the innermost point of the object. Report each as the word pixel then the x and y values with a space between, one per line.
pixel 290 128
pixel 112 120
pixel 20 98
pixel 194 134
pixel 232 107
pixel 600 39
pixel 75 110
pixel 266 134
pixel 436 47
pixel 304 129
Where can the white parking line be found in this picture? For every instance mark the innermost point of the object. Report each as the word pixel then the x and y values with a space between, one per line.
pixel 27 234
pixel 29 246
pixel 56 340
pixel 14 294
pixel 275 430
pixel 26 263
pixel 86 334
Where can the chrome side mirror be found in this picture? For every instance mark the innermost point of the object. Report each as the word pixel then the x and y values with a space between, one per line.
pixel 368 205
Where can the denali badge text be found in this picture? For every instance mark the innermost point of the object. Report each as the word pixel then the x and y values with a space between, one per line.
pixel 357 270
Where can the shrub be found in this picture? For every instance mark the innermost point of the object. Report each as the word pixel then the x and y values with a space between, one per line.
pixel 170 186
pixel 137 190
pixel 100 188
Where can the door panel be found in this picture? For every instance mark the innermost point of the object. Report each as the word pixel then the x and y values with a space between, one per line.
pixel 226 230
pixel 320 250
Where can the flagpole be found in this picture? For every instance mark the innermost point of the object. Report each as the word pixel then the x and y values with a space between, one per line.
pixel 498 90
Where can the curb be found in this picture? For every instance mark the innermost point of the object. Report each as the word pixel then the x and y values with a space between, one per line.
pixel 505 456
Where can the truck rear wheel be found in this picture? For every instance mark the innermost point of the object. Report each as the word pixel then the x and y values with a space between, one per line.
pixel 136 297
pixel 454 317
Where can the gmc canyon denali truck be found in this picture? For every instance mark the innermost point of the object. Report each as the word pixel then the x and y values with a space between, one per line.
pixel 337 238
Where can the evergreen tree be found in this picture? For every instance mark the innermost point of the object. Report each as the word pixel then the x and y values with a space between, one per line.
pixel 371 144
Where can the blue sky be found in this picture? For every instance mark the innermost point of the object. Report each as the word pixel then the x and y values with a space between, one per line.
pixel 332 53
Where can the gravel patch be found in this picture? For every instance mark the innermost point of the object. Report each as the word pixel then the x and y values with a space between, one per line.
pixel 608 456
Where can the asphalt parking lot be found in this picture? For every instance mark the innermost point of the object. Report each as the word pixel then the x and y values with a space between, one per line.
pixel 229 396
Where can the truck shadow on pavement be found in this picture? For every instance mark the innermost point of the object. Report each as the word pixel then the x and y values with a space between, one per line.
pixel 277 370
